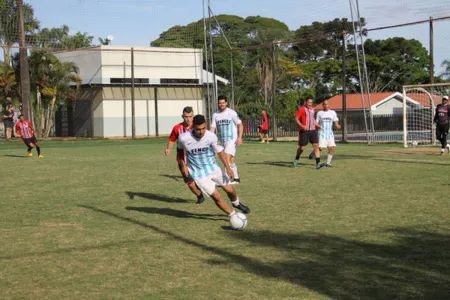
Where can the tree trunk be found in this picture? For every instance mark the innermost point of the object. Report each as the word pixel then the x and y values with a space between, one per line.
pixel 49 124
pixel 6 54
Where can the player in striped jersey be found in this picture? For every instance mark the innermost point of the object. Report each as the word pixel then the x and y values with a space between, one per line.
pixel 326 118
pixel 230 129
pixel 26 132
pixel 200 147
pixel 177 130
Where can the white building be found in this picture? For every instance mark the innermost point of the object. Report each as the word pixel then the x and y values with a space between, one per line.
pixel 165 81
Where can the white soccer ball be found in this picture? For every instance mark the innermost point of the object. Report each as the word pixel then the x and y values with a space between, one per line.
pixel 415 143
pixel 238 221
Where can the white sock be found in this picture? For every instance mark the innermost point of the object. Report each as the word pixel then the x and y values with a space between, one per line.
pixel 234 169
pixel 232 213
pixel 442 150
pixel 329 158
pixel 235 203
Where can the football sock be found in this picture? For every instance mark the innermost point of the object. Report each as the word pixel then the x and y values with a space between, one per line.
pixel 317 160
pixel 29 149
pixel 235 203
pixel 38 150
pixel 329 158
pixel 232 213
pixel 234 169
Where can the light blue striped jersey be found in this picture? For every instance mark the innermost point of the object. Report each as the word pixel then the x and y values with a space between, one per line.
pixel 326 120
pixel 200 158
pixel 226 123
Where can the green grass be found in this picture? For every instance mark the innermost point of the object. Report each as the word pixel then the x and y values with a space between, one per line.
pixel 376 226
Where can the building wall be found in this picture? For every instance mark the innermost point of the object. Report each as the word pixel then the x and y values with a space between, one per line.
pixel 392 106
pixel 116 110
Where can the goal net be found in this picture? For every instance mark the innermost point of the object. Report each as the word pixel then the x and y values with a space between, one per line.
pixel 419 106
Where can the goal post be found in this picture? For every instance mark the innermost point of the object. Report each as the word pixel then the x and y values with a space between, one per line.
pixel 419 106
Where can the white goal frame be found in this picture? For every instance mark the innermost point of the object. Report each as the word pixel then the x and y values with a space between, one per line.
pixel 428 90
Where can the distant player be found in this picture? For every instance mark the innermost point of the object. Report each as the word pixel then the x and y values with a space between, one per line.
pixel 199 146
pixel 326 118
pixel 178 129
pixel 307 131
pixel 26 132
pixel 441 119
pixel 264 130
pixel 230 128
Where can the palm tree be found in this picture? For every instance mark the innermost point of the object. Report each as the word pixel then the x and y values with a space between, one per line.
pixel 9 25
pixel 53 80
pixel 7 80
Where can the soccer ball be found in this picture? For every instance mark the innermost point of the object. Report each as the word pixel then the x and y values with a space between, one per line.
pixel 238 221
pixel 415 143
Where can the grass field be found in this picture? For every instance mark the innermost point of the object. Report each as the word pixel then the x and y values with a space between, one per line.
pixel 113 220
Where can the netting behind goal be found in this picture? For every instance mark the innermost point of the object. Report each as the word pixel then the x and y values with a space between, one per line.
pixel 419 105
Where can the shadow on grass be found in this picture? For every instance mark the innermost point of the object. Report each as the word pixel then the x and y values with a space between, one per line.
pixel 414 161
pixel 16 156
pixel 156 197
pixel 274 163
pixel 413 266
pixel 177 213
pixel 174 177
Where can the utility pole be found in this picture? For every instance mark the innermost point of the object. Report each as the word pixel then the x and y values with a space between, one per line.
pixel 344 88
pixel 133 112
pixel 431 51
pixel 24 69
pixel 274 91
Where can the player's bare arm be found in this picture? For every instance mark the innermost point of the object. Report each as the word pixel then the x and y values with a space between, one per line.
pixel 317 125
pixel 168 148
pixel 182 165
pixel 338 126
pixel 300 124
pixel 240 132
pixel 212 129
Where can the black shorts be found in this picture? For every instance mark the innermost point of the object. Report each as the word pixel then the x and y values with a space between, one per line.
pixel 310 136
pixel 30 140
pixel 264 131
pixel 8 123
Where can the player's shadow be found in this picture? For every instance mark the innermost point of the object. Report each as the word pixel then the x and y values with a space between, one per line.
pixel 174 177
pixel 177 213
pixel 284 164
pixel 156 197
pixel 15 156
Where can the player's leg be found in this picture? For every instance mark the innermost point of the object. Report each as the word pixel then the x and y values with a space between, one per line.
pixel 313 138
pixel 439 137
pixel 230 151
pixel 266 133
pixel 220 178
pixel 29 145
pixel 38 147
pixel 444 136
pixel 331 145
pixel 191 184
pixel 208 186
pixel 261 137
pixel 8 132
pixel 302 142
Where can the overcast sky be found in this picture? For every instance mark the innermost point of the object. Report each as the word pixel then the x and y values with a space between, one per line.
pixel 137 22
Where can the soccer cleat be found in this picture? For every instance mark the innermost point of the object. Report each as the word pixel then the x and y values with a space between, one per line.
pixel 329 165
pixel 311 155
pixel 294 164
pixel 200 199
pixel 242 207
pixel 319 166
pixel 30 154
pixel 262 142
pixel 41 156
pixel 237 180
pixel 442 151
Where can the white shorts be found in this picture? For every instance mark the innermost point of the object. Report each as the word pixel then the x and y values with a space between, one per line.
pixel 230 147
pixel 326 143
pixel 208 184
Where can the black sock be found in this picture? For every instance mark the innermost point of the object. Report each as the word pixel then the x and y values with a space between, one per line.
pixel 29 149
pixel 297 157
pixel 317 160
pixel 38 150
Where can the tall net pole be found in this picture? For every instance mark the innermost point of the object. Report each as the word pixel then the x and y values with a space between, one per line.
pixel 205 51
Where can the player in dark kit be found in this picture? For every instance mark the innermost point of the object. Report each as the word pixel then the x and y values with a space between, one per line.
pixel 441 119
pixel 26 132
pixel 180 128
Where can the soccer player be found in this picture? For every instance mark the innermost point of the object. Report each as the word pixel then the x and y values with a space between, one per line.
pixel 26 132
pixel 199 146
pixel 441 118
pixel 307 131
pixel 230 128
pixel 326 118
pixel 178 129
pixel 264 130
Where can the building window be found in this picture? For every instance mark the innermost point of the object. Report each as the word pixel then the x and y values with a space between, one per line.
pixel 128 80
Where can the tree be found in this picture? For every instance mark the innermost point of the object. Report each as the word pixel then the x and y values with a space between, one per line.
pixel 60 38
pixel 9 25
pixel 52 81
pixel 8 81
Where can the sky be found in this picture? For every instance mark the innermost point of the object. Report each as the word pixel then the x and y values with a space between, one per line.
pixel 137 22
